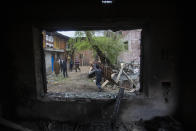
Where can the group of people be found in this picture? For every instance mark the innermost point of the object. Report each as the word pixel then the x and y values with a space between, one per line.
pixel 60 65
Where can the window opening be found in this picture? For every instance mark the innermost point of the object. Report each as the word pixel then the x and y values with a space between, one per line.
pixel 92 62
pixel 126 45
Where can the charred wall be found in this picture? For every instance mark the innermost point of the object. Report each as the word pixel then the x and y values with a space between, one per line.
pixel 161 37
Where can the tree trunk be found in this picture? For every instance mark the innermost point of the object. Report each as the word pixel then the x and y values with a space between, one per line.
pixel 103 58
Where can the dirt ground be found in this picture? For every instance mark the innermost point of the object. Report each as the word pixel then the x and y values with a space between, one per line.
pixel 75 82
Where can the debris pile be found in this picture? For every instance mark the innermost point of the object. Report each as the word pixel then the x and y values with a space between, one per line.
pixel 94 95
pixel 126 76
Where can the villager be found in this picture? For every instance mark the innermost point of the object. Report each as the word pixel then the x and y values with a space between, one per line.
pixel 61 64
pixel 98 73
pixel 77 64
pixel 71 64
pixel 56 67
pixel 64 66
pixel 91 72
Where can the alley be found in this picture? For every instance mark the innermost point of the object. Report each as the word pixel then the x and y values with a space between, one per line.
pixel 75 82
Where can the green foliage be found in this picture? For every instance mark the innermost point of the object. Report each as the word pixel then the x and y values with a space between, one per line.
pixel 71 49
pixel 82 45
pixel 110 47
pixel 109 44
pixel 80 42
pixel 79 34
pixel 71 43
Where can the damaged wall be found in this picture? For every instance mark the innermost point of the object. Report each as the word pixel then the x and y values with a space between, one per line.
pixel 133 38
pixel 160 74
pixel 156 69
pixel 160 56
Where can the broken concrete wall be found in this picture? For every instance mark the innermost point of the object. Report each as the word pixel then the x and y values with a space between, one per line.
pixel 160 70
pixel 156 69
pixel 67 111
pixel 18 71
pixel 160 41
pixel 159 101
pixel 21 45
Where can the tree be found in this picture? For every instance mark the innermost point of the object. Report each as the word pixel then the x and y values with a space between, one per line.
pixel 107 47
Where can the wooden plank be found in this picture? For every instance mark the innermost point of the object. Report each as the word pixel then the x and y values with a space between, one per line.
pixel 119 74
pixel 132 82
pixel 105 83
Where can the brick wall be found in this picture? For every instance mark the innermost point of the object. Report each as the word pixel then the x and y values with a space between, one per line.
pixel 133 53
pixel 87 57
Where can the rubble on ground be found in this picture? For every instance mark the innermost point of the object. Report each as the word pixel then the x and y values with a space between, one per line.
pixel 126 73
pixel 83 95
pixel 165 123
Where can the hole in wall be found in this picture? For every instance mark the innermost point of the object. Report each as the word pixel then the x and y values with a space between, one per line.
pixel 71 58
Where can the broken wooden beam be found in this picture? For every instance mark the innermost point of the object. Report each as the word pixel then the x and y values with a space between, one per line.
pixel 119 74
pixel 132 82
pixel 105 83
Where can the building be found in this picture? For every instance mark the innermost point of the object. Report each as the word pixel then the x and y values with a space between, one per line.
pixel 54 45
pixel 131 40
pixel 86 57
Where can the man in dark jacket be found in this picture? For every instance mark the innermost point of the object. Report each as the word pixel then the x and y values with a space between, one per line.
pixel 61 64
pixel 64 66
pixel 71 65
pixel 77 64
pixel 98 73
pixel 56 67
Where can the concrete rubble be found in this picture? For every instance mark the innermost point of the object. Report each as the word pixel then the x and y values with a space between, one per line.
pixel 83 95
pixel 126 73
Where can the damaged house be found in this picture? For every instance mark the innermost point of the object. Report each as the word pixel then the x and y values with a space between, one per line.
pixel 132 41
pixel 54 45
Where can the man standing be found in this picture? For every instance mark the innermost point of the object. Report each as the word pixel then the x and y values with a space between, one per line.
pixel 71 64
pixel 61 64
pixel 64 66
pixel 98 73
pixel 56 67
pixel 77 63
